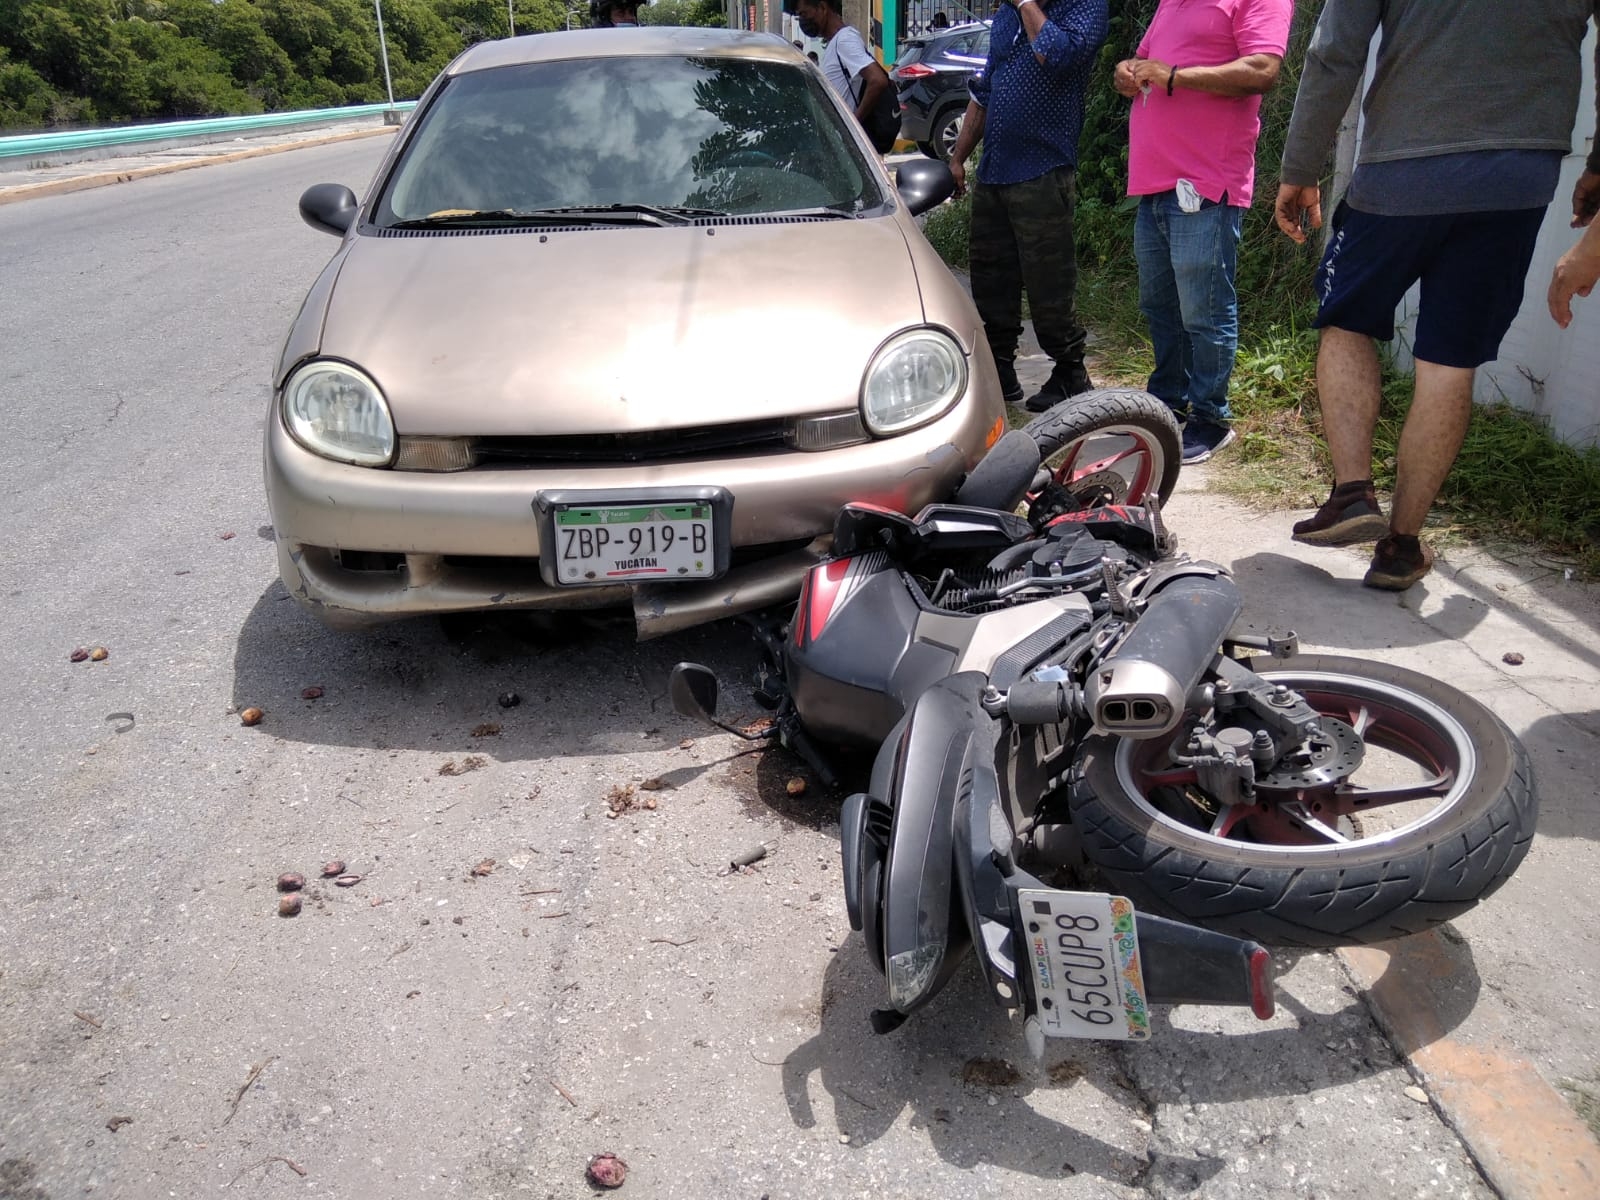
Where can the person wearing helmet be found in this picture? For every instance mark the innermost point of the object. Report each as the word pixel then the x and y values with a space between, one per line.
pixel 614 14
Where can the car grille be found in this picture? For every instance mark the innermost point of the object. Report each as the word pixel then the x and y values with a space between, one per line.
pixel 741 438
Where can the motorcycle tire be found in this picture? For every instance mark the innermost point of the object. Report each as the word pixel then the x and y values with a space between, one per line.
pixel 1002 476
pixel 1136 450
pixel 1365 889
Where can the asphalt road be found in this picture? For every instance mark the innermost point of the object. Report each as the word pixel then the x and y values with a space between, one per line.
pixel 432 1031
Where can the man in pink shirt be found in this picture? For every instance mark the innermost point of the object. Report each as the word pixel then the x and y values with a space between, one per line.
pixel 1196 88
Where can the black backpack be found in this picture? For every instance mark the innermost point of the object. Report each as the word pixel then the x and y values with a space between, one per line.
pixel 883 122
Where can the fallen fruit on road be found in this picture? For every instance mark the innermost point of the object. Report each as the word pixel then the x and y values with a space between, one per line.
pixel 333 867
pixel 289 906
pixel 607 1171
pixel 251 716
pixel 291 881
pixel 81 654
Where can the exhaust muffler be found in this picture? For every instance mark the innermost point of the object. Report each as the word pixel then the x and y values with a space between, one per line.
pixel 1141 689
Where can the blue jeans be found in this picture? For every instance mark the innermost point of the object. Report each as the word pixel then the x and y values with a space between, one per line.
pixel 1186 269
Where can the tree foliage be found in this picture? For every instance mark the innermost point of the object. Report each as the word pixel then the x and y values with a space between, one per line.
pixel 65 62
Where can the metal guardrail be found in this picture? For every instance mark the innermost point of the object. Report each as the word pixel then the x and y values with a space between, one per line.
pixel 88 143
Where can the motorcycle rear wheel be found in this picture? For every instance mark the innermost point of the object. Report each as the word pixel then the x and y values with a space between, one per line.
pixel 1457 833
pixel 1113 445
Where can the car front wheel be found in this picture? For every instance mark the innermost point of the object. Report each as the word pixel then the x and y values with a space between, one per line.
pixel 942 134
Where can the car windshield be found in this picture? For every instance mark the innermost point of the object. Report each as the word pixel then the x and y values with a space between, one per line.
pixel 661 134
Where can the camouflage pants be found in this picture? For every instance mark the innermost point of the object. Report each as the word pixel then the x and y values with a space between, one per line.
pixel 1022 239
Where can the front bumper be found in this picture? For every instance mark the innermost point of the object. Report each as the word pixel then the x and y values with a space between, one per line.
pixel 358 546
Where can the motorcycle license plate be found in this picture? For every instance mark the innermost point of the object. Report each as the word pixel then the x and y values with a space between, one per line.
pixel 1083 948
pixel 625 543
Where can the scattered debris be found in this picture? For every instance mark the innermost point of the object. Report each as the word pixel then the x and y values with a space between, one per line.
pixel 347 881
pixel 751 854
pixel 619 799
pixel 552 916
pixel 508 699
pixel 457 920
pixel 1065 1072
pixel 227 537
pixel 487 729
pixel 255 1073
pixel 399 950
pixel 533 792
pixel 990 1073
pixel 291 881
pixel 87 1019
pixel 486 867
pixel 126 717
pixel 1512 658
pixel 654 784
pixel 81 654
pixel 670 942
pixel 117 1123
pixel 795 786
pixel 1415 1093
pixel 251 716
pixel 271 1158
pixel 413 994
pixel 289 906
pixel 565 1095
pixel 311 693
pixel 99 654
pixel 686 743
pixel 607 1171
pixel 334 866
pixel 540 892
pixel 472 762
pixel 759 725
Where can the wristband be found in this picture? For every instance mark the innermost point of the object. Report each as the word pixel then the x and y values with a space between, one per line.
pixel 1171 75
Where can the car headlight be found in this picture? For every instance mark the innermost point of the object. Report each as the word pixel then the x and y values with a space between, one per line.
pixel 914 378
pixel 336 411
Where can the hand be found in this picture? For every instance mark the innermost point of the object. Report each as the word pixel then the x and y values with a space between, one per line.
pixel 1151 73
pixel 1575 275
pixel 959 170
pixel 1296 204
pixel 1123 79
pixel 1585 199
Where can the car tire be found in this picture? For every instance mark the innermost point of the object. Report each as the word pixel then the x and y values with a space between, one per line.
pixel 943 131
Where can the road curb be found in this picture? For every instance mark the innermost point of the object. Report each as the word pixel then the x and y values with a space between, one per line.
pixel 78 183
pixel 1525 1137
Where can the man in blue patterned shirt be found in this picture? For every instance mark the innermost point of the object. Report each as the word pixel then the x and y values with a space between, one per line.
pixel 1027 108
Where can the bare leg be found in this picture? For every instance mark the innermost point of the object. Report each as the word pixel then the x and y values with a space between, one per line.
pixel 1349 386
pixel 1435 427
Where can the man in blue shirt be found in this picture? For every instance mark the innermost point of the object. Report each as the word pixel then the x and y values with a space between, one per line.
pixel 1027 108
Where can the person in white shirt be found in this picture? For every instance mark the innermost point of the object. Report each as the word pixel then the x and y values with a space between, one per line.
pixel 847 64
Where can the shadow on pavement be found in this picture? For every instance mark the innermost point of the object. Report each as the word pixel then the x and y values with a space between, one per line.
pixel 586 686
pixel 962 1070
pixel 1562 749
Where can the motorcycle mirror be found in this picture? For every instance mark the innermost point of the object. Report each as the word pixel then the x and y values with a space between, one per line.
pixel 693 689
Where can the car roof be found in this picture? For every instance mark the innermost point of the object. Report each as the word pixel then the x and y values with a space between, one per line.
pixel 676 41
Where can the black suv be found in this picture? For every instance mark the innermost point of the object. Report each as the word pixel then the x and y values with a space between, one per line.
pixel 931 78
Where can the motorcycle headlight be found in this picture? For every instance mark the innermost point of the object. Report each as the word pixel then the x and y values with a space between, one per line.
pixel 336 411
pixel 910 974
pixel 914 378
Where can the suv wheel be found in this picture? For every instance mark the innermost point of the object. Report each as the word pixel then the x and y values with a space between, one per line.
pixel 943 133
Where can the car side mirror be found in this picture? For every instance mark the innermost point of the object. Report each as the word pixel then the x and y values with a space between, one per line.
pixel 693 689
pixel 330 207
pixel 924 183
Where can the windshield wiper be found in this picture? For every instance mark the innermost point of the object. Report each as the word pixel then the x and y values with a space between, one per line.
pixel 650 213
pixel 486 216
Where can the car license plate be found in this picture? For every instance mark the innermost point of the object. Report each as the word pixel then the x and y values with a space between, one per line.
pixel 1084 951
pixel 623 543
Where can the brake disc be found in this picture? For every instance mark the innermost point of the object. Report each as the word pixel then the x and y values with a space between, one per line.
pixel 1325 758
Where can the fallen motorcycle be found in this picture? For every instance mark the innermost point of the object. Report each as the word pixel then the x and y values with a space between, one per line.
pixel 1061 698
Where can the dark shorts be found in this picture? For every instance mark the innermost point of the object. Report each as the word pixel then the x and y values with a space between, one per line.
pixel 1472 267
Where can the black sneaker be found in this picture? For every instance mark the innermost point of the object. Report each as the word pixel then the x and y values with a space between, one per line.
pixel 1349 517
pixel 1010 388
pixel 1398 562
pixel 1066 380
pixel 1202 439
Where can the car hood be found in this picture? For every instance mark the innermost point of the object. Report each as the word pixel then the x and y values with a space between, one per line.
pixel 615 330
